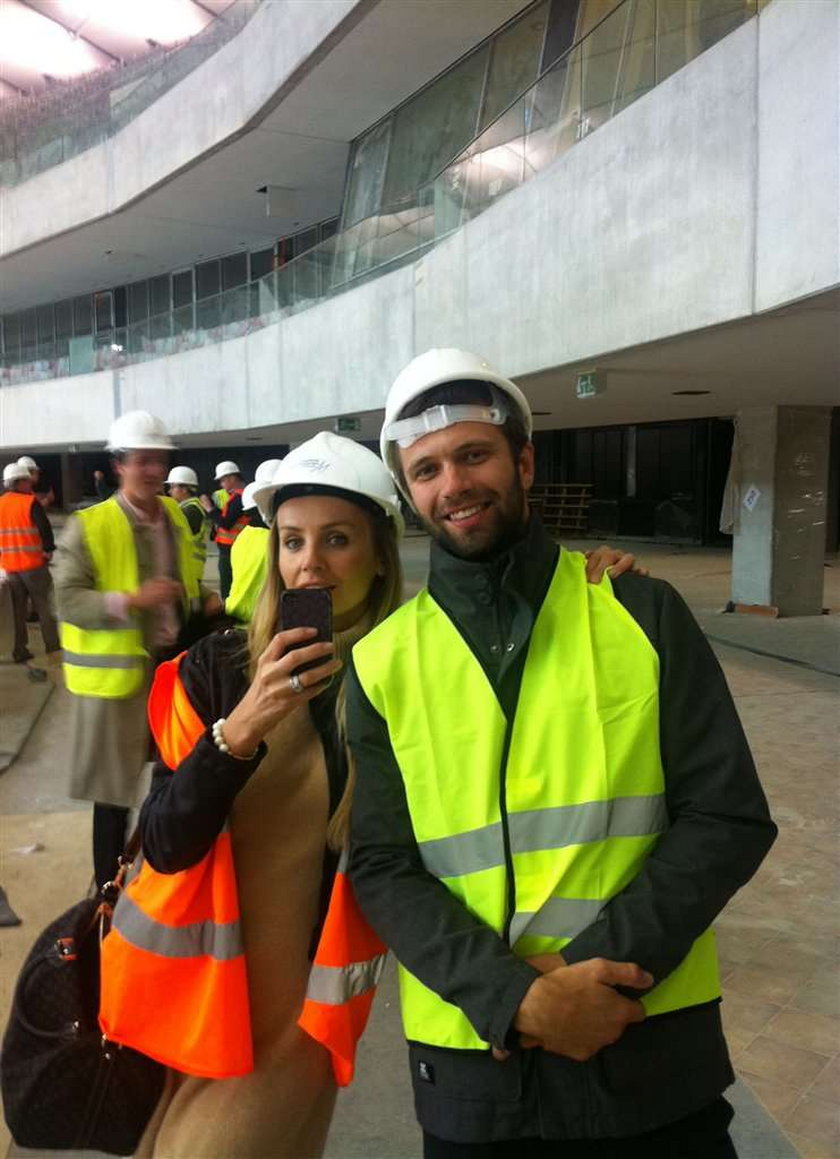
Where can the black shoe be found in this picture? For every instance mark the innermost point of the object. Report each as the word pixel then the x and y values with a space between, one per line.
pixel 27 655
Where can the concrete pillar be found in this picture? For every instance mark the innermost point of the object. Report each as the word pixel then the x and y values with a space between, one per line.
pixel 781 472
pixel 72 480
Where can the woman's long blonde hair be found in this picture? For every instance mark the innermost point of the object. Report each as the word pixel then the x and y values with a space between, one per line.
pixel 385 596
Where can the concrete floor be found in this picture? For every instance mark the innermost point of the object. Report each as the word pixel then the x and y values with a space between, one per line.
pixel 779 938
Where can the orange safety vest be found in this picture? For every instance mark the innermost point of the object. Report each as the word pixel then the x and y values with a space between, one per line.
pixel 174 983
pixel 21 546
pixel 225 536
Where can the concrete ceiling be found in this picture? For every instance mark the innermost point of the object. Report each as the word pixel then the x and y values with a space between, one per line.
pixel 302 143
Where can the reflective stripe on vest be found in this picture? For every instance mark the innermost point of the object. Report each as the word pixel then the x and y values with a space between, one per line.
pixel 110 663
pixel 199 538
pixel 342 981
pixel 583 780
pixel 249 564
pixel 225 536
pixel 21 546
pixel 174 981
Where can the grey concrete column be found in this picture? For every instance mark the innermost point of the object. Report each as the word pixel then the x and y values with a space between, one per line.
pixel 72 479
pixel 781 473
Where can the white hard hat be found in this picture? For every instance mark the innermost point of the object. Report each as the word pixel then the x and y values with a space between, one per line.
pixel 137 430
pixel 186 476
pixel 434 368
pixel 28 462
pixel 13 472
pixel 263 474
pixel 331 463
pixel 226 467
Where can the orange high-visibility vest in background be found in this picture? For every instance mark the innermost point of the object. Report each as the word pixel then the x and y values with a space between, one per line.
pixel 225 536
pixel 21 546
pixel 174 983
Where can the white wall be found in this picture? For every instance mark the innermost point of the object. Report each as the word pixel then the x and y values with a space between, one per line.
pixel 701 204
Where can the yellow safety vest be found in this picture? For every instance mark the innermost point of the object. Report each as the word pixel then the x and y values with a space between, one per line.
pixel 584 785
pixel 199 538
pixel 111 662
pixel 249 563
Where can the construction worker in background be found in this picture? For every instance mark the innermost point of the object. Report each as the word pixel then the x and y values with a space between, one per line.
pixel 248 556
pixel 26 547
pixel 229 521
pixel 126 585
pixel 45 498
pixel 183 487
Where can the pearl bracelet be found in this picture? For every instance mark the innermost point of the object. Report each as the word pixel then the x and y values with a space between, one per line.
pixel 221 744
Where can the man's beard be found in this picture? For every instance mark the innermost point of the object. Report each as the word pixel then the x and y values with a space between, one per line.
pixel 511 515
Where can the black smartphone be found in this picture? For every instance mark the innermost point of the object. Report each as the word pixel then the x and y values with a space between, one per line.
pixel 307 608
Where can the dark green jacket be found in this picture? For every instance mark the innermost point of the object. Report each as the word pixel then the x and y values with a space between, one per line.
pixel 660 1070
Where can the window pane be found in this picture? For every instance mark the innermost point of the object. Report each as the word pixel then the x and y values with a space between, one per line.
pixel 104 311
pixel 159 301
pixel 234 271
pixel 182 288
pixel 514 61
pixel 367 171
pixel 64 319
pixel 46 324
pixel 28 328
pixel 82 315
pixel 119 306
pixel 11 335
pixel 207 279
pixel 262 263
pixel 138 301
pixel 432 129
pixel 305 240
pixel 560 33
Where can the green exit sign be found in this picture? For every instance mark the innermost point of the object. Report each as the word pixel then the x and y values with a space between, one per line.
pixel 348 425
pixel 590 383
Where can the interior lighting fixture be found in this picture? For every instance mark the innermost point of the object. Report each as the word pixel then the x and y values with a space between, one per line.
pixel 31 41
pixel 163 21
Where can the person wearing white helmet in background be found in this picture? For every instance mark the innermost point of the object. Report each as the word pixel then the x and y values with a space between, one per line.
pixel 45 498
pixel 183 487
pixel 26 547
pixel 227 521
pixel 125 587
pixel 554 800
pixel 248 556
pixel 253 798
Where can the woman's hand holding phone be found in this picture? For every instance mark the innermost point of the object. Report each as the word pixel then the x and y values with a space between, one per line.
pixel 272 695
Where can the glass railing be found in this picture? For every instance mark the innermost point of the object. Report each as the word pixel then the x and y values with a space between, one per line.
pixel 64 120
pixel 634 48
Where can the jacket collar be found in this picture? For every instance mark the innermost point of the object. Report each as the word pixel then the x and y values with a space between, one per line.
pixel 524 568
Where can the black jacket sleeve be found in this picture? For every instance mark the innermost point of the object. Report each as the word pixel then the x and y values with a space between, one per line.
pixel 39 518
pixel 429 930
pixel 186 810
pixel 194 518
pixel 720 826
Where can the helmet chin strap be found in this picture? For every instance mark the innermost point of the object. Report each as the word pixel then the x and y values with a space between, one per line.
pixel 404 432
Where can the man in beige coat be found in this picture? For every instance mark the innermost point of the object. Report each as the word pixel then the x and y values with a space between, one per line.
pixel 110 737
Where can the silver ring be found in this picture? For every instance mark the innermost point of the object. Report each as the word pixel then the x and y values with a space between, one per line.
pixel 295 683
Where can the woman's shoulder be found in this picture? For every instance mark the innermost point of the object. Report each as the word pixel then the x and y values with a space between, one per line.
pixel 215 667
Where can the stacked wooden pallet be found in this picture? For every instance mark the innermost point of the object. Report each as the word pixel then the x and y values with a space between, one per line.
pixel 563 506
